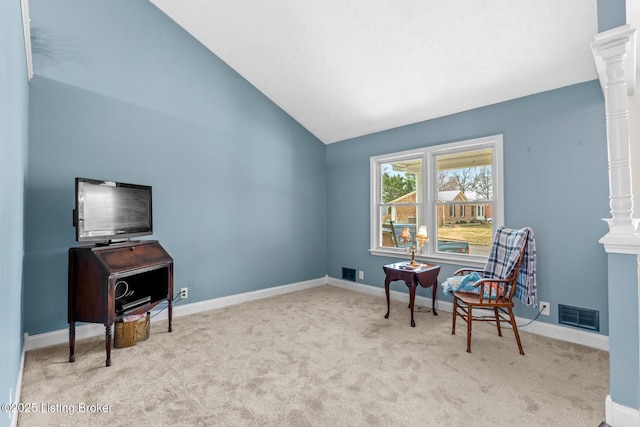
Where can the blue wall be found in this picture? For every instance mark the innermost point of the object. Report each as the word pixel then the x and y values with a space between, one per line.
pixel 624 370
pixel 132 97
pixel 555 181
pixel 611 14
pixel 14 90
pixel 122 93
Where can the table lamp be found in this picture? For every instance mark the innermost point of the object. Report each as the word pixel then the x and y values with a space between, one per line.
pixel 421 238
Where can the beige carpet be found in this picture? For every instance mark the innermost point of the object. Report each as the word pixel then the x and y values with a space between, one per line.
pixel 319 357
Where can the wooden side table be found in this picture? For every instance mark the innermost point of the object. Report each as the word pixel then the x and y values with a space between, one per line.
pixel 424 275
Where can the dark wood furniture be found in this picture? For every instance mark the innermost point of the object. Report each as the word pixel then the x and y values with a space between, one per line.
pixel 494 297
pixel 425 275
pixel 108 282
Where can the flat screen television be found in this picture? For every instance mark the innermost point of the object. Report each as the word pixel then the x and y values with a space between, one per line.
pixel 108 211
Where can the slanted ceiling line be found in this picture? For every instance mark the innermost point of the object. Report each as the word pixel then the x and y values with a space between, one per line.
pixel 26 26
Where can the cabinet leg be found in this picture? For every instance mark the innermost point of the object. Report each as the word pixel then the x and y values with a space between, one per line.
pixel 107 343
pixel 72 342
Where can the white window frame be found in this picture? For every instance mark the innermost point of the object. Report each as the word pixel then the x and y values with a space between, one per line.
pixel 427 208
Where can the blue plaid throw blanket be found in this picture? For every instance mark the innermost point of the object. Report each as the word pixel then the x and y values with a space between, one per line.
pixel 504 256
pixel 505 252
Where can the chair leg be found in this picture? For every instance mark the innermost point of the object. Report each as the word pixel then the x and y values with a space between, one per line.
pixel 515 330
pixel 495 311
pixel 469 321
pixel 455 314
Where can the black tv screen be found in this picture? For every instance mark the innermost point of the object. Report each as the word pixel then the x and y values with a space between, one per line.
pixel 108 211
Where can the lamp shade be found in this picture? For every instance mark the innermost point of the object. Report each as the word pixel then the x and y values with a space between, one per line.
pixel 405 235
pixel 422 237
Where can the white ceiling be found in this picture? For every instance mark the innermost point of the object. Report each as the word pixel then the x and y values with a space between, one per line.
pixel 346 68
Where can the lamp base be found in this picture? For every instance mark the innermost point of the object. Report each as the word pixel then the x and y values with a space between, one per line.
pixel 413 262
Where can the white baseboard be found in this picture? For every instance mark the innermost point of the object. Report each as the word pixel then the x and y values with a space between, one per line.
pixel 89 330
pixel 197 307
pixel 601 342
pixel 620 416
pixel 15 398
pixel 575 336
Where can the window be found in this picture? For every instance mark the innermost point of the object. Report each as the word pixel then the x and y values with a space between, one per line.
pixel 454 189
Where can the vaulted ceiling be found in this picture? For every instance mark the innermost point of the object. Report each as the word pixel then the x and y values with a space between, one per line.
pixel 346 68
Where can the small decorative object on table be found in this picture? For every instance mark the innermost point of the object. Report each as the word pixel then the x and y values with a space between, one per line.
pixel 421 239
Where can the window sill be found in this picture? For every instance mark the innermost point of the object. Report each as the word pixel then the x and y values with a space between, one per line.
pixel 460 260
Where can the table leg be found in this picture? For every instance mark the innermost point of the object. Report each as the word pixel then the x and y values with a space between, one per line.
pixel 412 297
pixel 386 291
pixel 434 289
pixel 72 341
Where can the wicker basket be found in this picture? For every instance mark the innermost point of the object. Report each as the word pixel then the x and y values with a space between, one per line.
pixel 129 332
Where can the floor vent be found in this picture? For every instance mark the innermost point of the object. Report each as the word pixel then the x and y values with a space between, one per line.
pixel 349 274
pixel 579 317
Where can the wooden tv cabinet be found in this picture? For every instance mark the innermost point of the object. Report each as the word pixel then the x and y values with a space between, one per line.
pixel 111 281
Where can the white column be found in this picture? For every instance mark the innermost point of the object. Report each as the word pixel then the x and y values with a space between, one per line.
pixel 614 54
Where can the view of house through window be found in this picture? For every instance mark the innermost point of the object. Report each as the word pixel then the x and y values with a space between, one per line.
pixel 454 190
pixel 464 202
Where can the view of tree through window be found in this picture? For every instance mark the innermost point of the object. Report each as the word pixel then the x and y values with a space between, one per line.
pixel 401 199
pixel 465 200
pixel 395 185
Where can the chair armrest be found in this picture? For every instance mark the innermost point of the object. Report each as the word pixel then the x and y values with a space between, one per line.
pixel 464 271
pixel 494 288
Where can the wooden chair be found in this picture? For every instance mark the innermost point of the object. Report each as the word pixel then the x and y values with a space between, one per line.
pixel 495 296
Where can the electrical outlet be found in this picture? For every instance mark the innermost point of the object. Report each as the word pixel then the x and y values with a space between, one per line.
pixel 361 275
pixel 184 293
pixel 545 308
